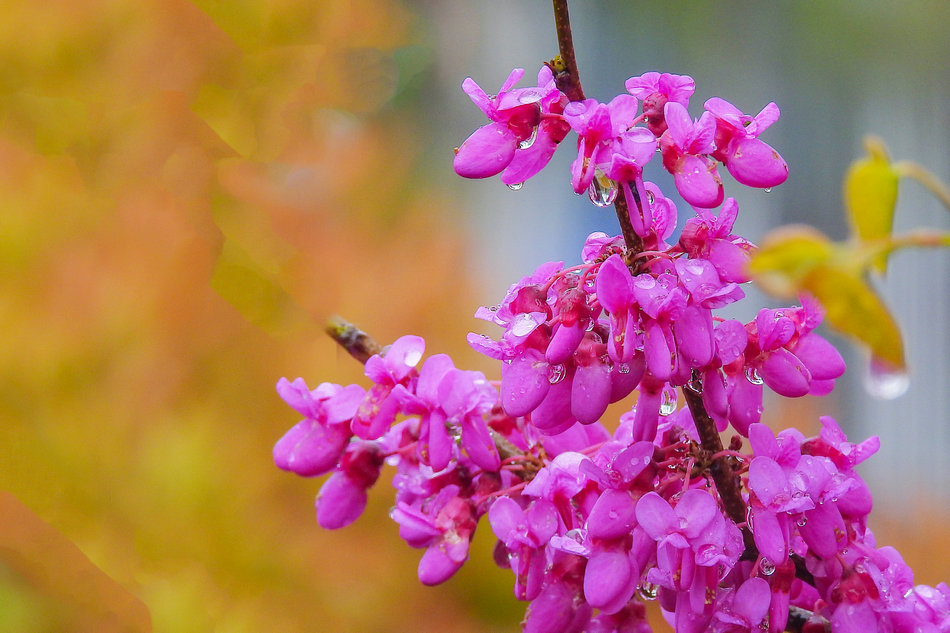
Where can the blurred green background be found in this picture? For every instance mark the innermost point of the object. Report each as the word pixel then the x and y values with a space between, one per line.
pixel 187 190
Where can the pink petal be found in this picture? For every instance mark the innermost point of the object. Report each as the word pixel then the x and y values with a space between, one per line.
pixel 608 581
pixel 820 357
pixel 754 163
pixel 613 515
pixel 436 565
pixel 488 151
pixel 590 393
pixel 524 383
pixel 340 502
pixel 310 449
pixel 785 374
pixel 656 516
pixel 698 182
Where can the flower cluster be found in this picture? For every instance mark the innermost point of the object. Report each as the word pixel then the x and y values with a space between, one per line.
pixel 766 534
pixel 614 142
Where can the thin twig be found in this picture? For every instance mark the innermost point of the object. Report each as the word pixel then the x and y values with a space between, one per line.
pixel 565 65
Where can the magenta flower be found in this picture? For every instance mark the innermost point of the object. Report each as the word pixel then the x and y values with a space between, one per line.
pixel 342 497
pixel 443 525
pixel 749 160
pixel 316 443
pixel 395 368
pixel 655 90
pixel 524 132
pixel 686 146
pixel 710 237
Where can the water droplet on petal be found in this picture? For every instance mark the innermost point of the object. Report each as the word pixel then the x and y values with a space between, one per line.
pixel 515 186
pixel 528 142
pixel 801 522
pixel 766 567
pixel 602 191
pixel 753 376
pixel 575 535
pixel 648 591
pixel 884 382
pixel 557 374
pixel 650 197
pixel 413 357
pixel 668 405
pixel 623 368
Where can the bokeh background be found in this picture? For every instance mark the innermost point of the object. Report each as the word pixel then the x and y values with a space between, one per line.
pixel 188 189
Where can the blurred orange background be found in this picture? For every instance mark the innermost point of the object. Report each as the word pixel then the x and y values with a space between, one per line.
pixel 187 191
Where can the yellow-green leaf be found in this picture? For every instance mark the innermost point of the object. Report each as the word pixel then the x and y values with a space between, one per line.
pixel 870 196
pixel 853 307
pixel 787 256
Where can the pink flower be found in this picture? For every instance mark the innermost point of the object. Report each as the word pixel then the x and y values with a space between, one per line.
pixel 686 146
pixel 655 90
pixel 525 129
pixel 749 160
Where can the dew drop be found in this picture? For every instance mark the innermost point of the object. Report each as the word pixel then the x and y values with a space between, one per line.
pixel 801 522
pixel 528 142
pixel 590 326
pixel 885 382
pixel 558 372
pixel 575 535
pixel 766 567
pixel 623 368
pixel 650 197
pixel 767 190
pixel 413 357
pixel 648 591
pixel 522 325
pixel 668 405
pixel 493 308
pixel 753 376
pixel 602 191
pixel 515 186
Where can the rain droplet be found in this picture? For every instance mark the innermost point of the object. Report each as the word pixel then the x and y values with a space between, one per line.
pixel 515 186
pixel 885 382
pixel 668 405
pixel 590 326
pixel 768 190
pixel 602 191
pixel 766 567
pixel 650 197
pixel 575 535
pixel 528 142
pixel 413 357
pixel 753 376
pixel 623 368
pixel 493 308
pixel 801 522
pixel 648 591
pixel 557 374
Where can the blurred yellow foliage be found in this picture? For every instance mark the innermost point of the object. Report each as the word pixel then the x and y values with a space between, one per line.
pixel 186 191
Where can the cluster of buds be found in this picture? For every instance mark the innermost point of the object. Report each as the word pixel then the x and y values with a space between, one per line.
pixel 768 533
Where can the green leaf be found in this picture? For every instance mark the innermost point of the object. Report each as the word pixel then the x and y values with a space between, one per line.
pixel 870 196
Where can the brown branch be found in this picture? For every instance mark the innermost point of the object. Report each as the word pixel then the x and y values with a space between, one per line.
pixel 633 241
pixel 727 484
pixel 358 343
pixel 362 346
pixel 565 65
